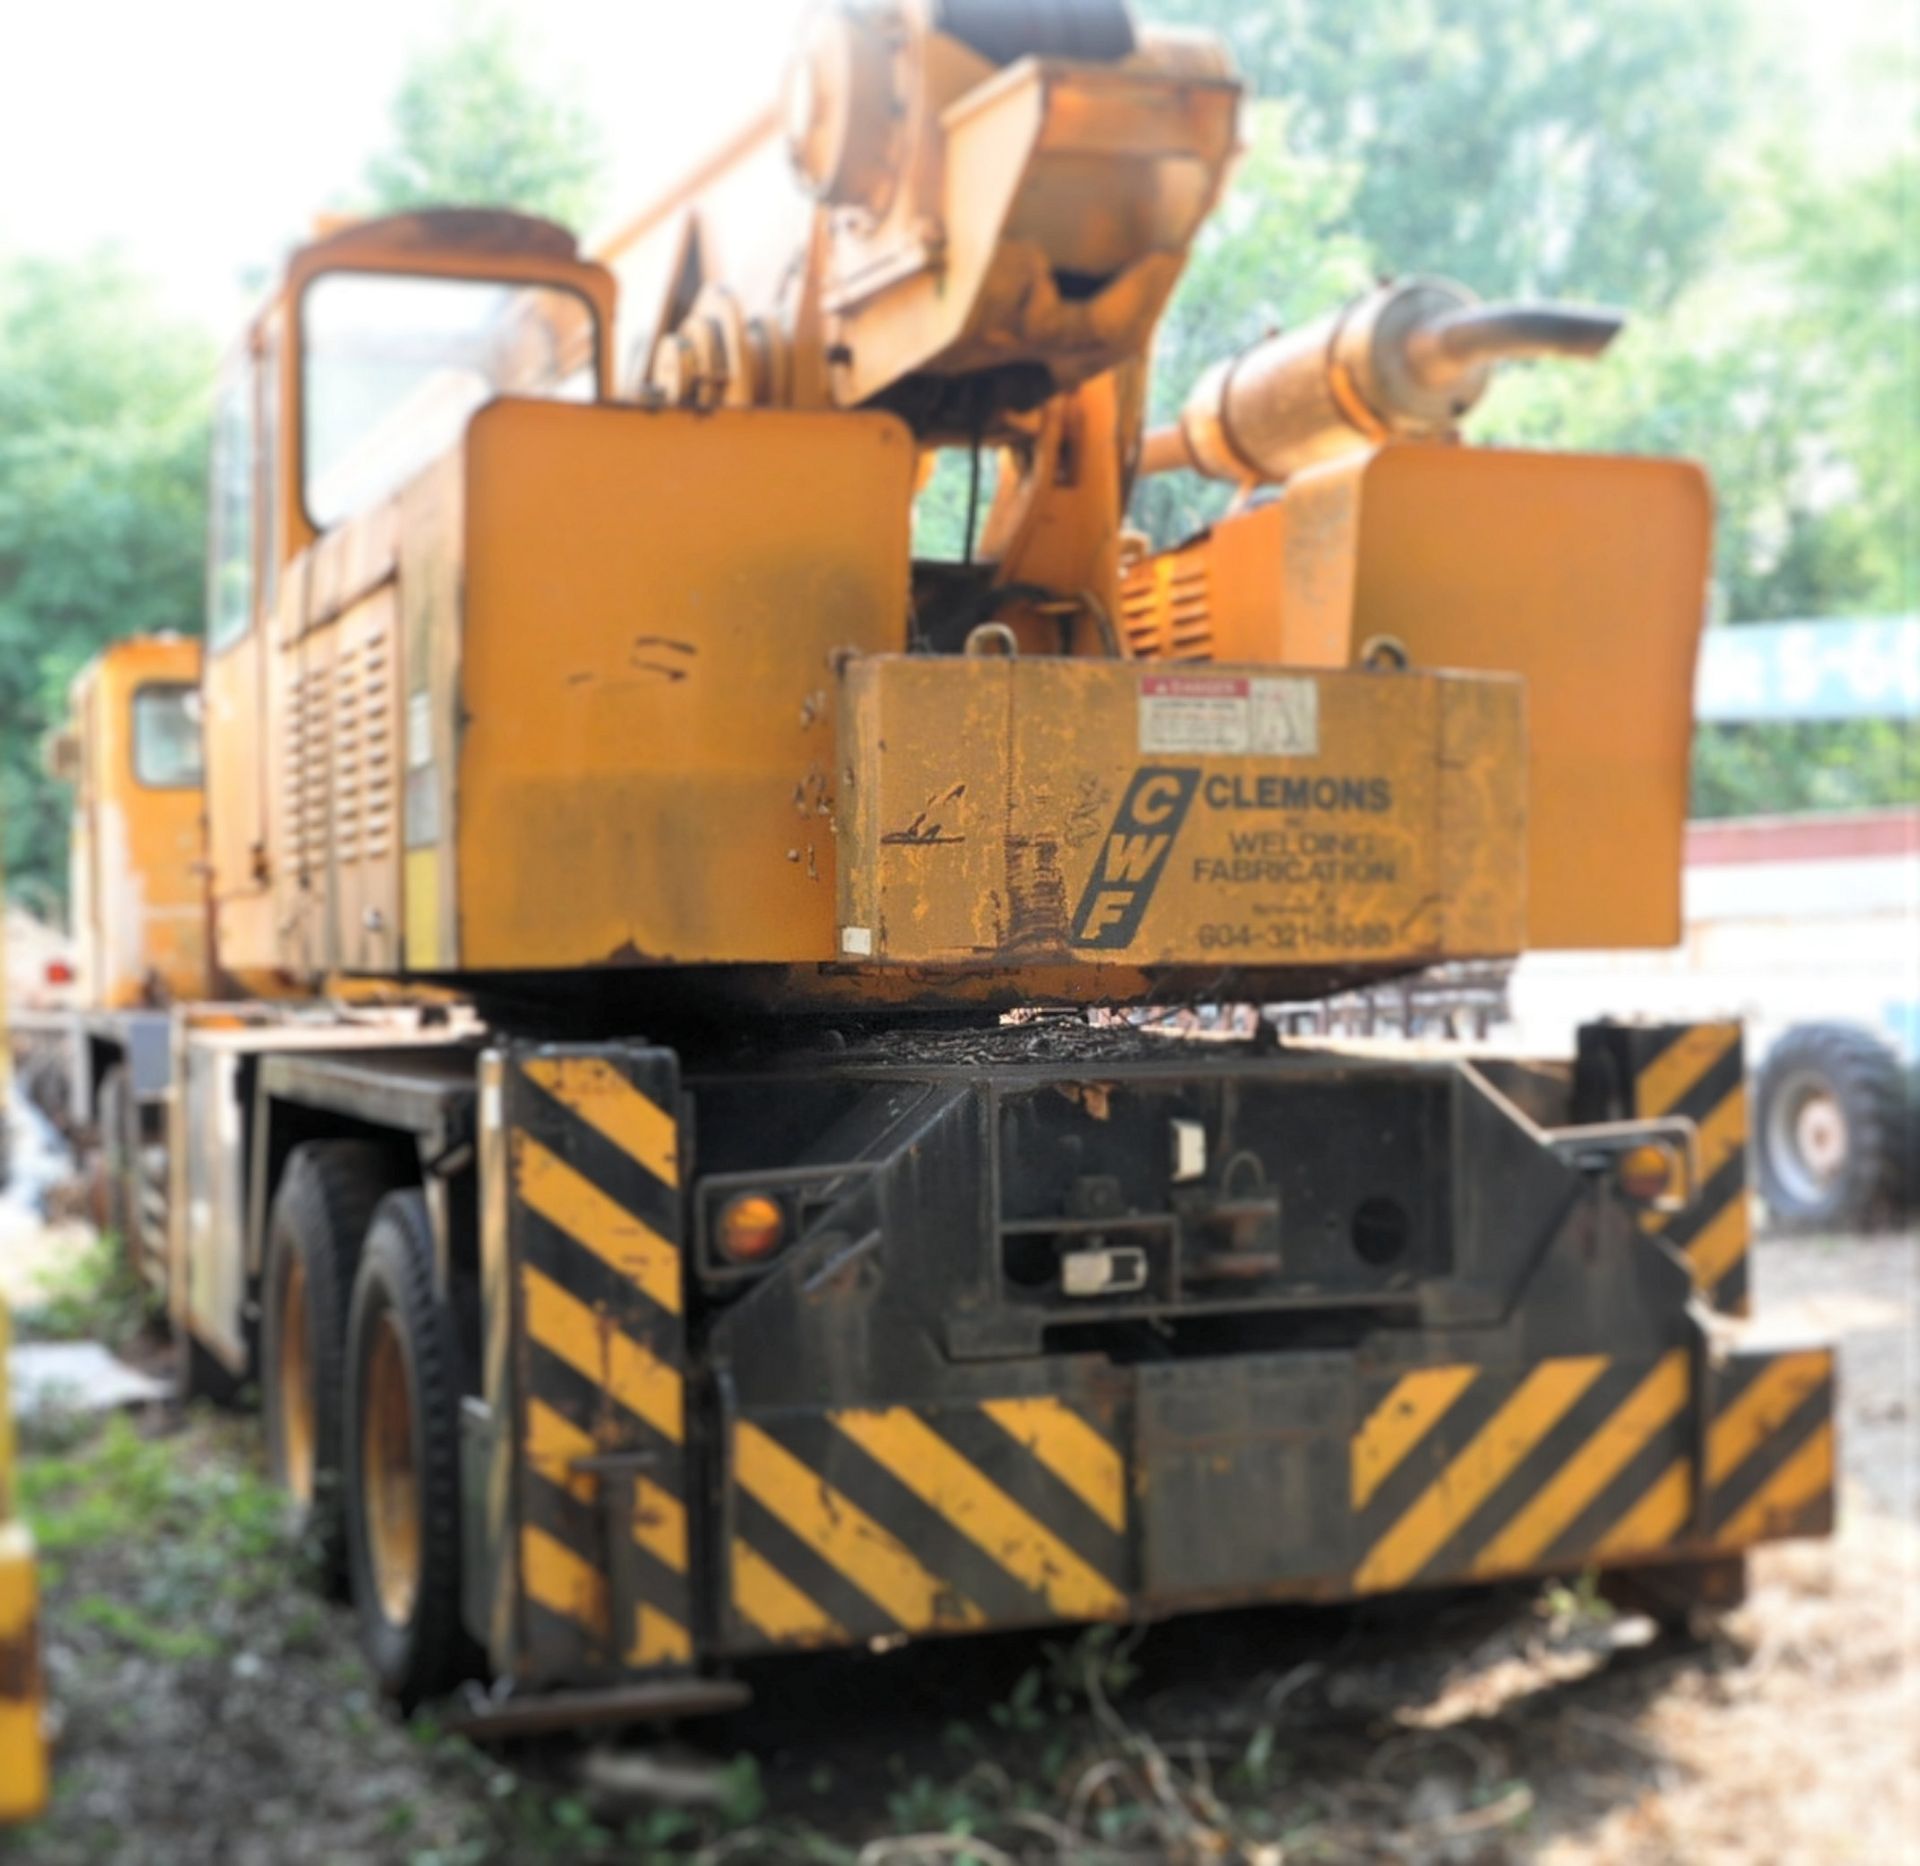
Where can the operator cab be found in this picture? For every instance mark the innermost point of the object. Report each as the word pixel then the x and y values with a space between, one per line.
pixel 131 750
pixel 360 373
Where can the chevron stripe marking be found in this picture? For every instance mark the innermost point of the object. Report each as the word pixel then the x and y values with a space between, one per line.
pixel 602 1097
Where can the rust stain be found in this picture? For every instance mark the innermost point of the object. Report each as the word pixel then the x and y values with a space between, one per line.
pixel 1037 893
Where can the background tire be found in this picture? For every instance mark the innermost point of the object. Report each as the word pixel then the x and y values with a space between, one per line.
pixel 1831 1130
pixel 319 1222
pixel 402 1453
pixel 119 1154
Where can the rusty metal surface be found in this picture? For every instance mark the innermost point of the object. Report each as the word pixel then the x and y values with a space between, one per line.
pixel 1041 809
pixel 495 1720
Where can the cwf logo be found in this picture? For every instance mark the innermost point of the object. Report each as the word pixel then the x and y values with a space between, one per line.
pixel 1133 856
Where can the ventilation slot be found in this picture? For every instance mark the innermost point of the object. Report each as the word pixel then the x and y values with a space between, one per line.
pixel 1166 609
pixel 376 747
pixel 303 774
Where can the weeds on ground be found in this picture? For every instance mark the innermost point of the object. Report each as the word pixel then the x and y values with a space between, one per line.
pixel 205 1526
pixel 95 1295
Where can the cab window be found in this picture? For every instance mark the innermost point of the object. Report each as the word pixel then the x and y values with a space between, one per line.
pixel 166 736
pixel 230 548
pixel 394 365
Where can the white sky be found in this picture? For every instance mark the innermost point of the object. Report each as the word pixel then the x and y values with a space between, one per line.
pixel 201 136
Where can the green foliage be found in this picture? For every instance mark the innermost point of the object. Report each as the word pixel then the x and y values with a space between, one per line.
pixel 1623 150
pixel 1279 251
pixel 1537 146
pixel 1780 769
pixel 102 501
pixel 93 1295
pixel 472 129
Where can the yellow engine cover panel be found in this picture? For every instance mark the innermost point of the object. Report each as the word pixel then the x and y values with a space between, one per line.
pixel 1128 814
pixel 654 604
pixel 1588 576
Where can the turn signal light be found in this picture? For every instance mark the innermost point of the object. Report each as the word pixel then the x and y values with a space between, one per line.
pixel 1648 1173
pixel 751 1227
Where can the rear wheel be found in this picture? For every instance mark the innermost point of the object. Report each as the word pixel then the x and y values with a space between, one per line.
pixel 1830 1129
pixel 321 1212
pixel 402 1459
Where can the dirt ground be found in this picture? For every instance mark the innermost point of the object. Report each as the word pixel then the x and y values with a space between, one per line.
pixel 212 1714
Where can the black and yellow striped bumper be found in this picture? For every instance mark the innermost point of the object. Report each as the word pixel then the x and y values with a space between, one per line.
pixel 685 1468
pixel 871 1523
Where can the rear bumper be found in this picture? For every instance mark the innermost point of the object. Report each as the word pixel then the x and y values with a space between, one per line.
pixel 909 1423
pixel 1133 1493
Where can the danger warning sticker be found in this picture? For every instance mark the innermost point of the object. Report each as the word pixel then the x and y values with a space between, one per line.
pixel 1229 713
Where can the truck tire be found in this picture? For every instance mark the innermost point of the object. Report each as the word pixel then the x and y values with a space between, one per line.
pixel 403 1460
pixel 118 1208
pixel 1831 1130
pixel 319 1221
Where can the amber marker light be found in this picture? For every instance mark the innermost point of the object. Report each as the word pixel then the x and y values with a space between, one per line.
pixel 1647 1173
pixel 751 1227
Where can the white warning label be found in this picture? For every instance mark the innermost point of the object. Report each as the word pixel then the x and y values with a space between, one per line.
pixel 1229 713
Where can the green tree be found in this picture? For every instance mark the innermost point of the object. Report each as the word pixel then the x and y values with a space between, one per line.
pixel 1555 147
pixel 102 501
pixel 471 128
pixel 1793 374
pixel 1280 250
pixel 1851 251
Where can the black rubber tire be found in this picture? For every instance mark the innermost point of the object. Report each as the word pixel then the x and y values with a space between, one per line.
pixel 119 1157
pixel 1867 1084
pixel 426 1654
pixel 321 1212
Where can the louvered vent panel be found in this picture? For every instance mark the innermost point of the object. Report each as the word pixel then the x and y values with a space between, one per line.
pixel 304 774
pixel 376 746
pixel 1166 609
pixel 347 759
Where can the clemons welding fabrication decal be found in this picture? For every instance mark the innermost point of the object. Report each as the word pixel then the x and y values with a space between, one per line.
pixel 1134 855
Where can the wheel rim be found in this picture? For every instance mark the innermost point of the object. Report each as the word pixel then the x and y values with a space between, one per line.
pixel 296 1385
pixel 1808 1142
pixel 390 1492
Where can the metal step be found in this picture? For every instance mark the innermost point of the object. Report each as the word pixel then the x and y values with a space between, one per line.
pixel 485 1719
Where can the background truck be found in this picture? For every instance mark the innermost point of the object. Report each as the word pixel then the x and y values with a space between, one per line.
pixel 137 880
pixel 1803 926
pixel 606 1147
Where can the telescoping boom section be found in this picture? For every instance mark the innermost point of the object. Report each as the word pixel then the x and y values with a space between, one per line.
pixel 628 829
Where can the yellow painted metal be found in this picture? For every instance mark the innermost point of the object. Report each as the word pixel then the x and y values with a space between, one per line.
pixel 23 1745
pixel 955 1488
pixel 390 1480
pixel 1587 576
pixel 325 609
pixel 1583 574
pixel 1035 214
pixel 1540 1401
pixel 138 887
pixel 653 606
pixel 1037 810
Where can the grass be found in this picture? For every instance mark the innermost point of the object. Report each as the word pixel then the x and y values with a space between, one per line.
pixel 94 1296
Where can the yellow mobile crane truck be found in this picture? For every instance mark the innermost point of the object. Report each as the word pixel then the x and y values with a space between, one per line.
pixel 654 1244
pixel 130 750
